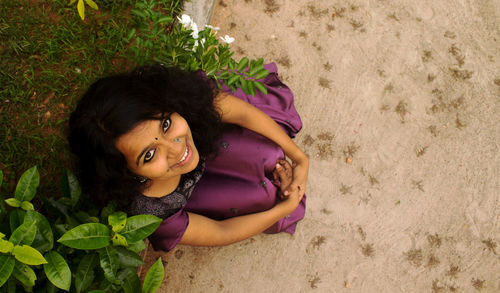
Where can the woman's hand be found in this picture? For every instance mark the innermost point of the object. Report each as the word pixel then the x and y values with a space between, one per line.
pixel 284 174
pixel 300 172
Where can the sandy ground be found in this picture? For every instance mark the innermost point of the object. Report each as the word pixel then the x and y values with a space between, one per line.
pixel 400 104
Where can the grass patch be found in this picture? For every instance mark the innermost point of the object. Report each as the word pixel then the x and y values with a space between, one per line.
pixel 49 57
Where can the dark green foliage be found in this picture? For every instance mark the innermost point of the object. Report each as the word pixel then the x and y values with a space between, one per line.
pixel 83 258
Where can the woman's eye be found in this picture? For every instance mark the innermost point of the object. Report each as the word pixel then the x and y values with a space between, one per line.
pixel 166 124
pixel 149 155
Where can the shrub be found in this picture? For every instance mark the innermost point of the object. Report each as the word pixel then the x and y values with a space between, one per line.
pixel 93 251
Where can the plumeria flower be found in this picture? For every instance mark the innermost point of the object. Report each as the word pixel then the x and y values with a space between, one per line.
pixel 227 39
pixel 185 20
pixel 212 28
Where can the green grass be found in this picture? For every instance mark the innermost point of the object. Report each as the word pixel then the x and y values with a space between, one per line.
pixel 49 56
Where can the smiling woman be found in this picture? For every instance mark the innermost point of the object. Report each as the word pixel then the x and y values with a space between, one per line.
pixel 160 151
pixel 165 142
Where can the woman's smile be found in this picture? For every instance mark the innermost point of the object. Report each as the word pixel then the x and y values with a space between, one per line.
pixel 185 157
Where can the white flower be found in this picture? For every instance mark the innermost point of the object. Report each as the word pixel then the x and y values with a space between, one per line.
pixel 212 28
pixel 227 39
pixel 202 42
pixel 195 45
pixel 194 27
pixel 185 20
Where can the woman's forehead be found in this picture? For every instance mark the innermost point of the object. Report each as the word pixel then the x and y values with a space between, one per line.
pixel 139 137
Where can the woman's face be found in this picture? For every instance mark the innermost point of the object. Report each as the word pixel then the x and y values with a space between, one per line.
pixel 160 150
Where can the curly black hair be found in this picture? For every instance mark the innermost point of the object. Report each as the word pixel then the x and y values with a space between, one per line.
pixel 114 105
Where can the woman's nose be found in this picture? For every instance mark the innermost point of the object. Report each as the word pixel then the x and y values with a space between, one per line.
pixel 174 147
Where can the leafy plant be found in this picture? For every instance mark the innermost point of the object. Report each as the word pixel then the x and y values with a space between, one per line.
pixel 91 253
pixel 187 47
pixel 80 6
pixel 149 33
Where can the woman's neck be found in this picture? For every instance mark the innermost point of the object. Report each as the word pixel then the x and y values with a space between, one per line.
pixel 161 188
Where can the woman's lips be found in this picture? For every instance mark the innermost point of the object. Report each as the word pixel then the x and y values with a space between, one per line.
pixel 185 158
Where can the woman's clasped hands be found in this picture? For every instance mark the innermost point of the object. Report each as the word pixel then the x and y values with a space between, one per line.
pixel 289 175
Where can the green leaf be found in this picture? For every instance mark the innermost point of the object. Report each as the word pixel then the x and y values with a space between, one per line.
pixel 251 88
pixel 87 236
pixel 27 185
pixel 27 206
pixel 130 35
pixel 24 234
pixel 2 235
pixel 244 86
pixel 164 19
pixel 85 272
pixel 140 227
pixel 224 74
pixel 128 258
pixel 243 64
pixel 92 4
pixel 109 263
pixel 28 255
pixel 107 210
pixel 6 246
pixel 1 180
pixel 6 267
pixel 57 270
pixel 119 240
pixel 136 246
pixel 234 77
pixel 261 73
pixel 117 221
pixel 24 274
pixel 71 2
pixel 259 62
pixel 83 217
pixel 130 280
pixel 81 9
pixel 44 238
pixel 261 87
pixel 138 13
pixel 57 206
pixel 71 188
pixel 16 218
pixel 232 64
pixel 154 277
pixel 253 71
pixel 13 202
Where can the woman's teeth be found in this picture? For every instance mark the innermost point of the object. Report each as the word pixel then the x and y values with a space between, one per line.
pixel 184 156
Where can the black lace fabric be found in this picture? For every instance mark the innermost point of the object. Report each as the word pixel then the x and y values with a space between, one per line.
pixel 168 204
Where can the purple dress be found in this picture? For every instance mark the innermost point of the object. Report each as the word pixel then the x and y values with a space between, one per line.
pixel 238 181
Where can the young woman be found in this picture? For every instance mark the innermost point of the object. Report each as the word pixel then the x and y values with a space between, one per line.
pixel 165 142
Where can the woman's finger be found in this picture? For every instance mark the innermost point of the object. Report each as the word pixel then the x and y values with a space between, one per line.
pixel 284 179
pixel 288 168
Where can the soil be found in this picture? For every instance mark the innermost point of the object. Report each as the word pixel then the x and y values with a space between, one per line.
pixel 400 102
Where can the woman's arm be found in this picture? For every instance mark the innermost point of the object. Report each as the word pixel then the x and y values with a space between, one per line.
pixel 202 231
pixel 236 111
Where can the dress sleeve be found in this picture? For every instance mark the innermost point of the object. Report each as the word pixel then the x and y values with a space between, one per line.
pixel 170 231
